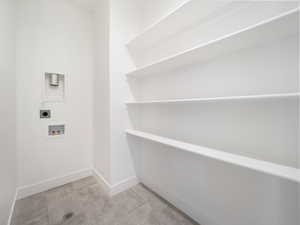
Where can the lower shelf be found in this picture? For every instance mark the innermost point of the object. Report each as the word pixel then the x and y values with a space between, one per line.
pixel 285 172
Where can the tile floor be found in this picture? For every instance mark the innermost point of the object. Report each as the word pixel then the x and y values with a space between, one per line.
pixel 85 203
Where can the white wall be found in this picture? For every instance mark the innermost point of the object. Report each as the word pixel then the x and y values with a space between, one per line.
pixel 54 36
pixel 299 127
pixel 124 24
pixel 7 109
pixel 102 91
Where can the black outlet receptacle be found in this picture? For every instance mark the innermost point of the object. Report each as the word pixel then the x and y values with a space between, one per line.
pixel 45 114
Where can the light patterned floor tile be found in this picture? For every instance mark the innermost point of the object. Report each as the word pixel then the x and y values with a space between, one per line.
pixel 85 202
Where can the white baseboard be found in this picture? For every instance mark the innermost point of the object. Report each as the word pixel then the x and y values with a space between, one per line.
pixel 25 191
pixel 123 185
pixel 12 208
pixel 102 181
pixel 116 188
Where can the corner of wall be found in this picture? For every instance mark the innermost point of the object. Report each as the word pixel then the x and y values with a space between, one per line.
pixel 116 188
pixel 12 208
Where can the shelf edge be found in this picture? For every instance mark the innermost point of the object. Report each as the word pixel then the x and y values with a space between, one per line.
pixel 231 98
pixel 289 173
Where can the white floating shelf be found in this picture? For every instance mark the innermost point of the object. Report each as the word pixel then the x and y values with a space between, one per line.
pixel 273 169
pixel 269 30
pixel 231 98
pixel 187 13
pixel 157 23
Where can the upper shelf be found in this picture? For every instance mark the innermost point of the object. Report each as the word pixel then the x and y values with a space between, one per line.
pixel 230 98
pixel 273 169
pixel 188 12
pixel 269 30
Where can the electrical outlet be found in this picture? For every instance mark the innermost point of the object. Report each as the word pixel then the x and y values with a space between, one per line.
pixel 55 130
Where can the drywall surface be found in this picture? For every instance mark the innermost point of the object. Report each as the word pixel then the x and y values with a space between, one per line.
pixel 123 26
pixel 101 91
pixel 7 109
pixel 299 131
pixel 54 36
